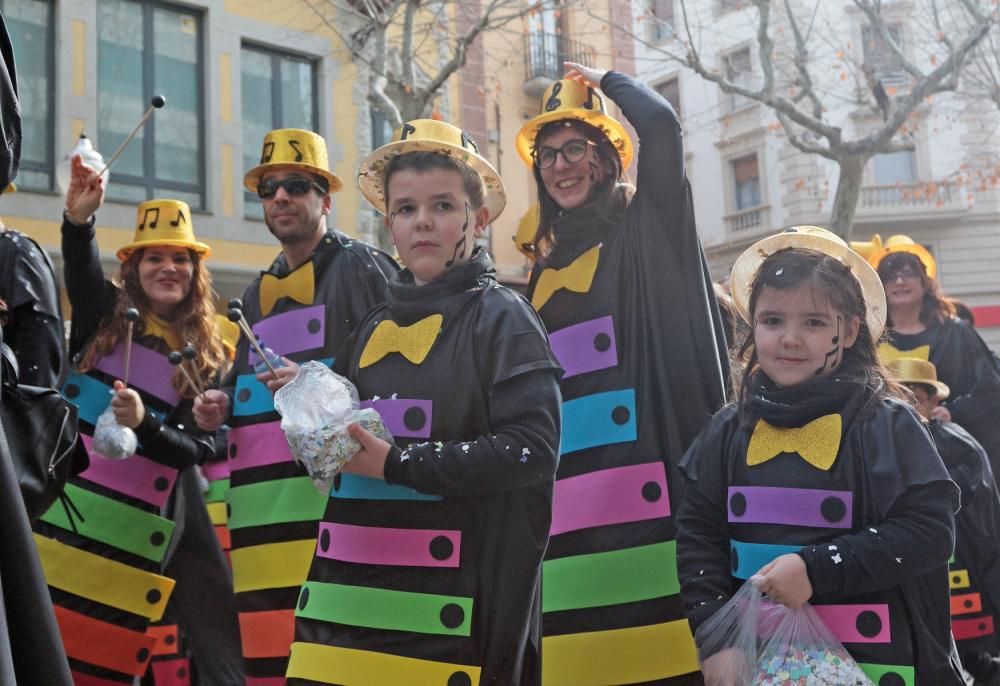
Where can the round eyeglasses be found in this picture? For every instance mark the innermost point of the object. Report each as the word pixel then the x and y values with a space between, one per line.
pixel 572 151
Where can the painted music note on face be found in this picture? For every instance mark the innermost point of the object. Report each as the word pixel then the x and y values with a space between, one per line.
pixel 267 153
pixel 460 245
pixel 180 216
pixel 834 352
pixel 295 146
pixel 155 212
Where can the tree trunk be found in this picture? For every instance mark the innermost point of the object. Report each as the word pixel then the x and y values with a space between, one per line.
pixel 845 202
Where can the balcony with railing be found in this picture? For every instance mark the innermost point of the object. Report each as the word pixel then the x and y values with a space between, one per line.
pixel 544 57
pixel 748 222
pixel 911 200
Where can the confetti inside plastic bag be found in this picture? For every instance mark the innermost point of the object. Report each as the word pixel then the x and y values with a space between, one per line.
pixel 316 408
pixel 113 440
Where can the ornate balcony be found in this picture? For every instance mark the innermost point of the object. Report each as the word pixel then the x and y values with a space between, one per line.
pixel 544 57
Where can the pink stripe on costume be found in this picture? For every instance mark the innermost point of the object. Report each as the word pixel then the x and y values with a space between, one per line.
pixel 136 476
pixel 257 445
pixel 610 496
pixel 857 623
pixel 384 546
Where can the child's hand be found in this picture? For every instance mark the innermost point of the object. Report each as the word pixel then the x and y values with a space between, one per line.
pixel 85 193
pixel 785 580
pixel 724 668
pixel 127 406
pixel 211 409
pixel 281 376
pixel 370 460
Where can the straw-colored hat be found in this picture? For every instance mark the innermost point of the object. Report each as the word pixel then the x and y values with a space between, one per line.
pixel 812 238
pixel 295 148
pixel 163 222
pixel 875 251
pixel 430 135
pixel 569 99
pixel 915 370
pixel 527 227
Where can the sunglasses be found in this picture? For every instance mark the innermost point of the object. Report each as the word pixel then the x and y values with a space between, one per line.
pixel 295 186
pixel 572 151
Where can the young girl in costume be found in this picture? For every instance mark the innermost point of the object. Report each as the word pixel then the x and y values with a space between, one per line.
pixel 428 563
pixel 620 282
pixel 106 556
pixel 819 480
pixel 922 323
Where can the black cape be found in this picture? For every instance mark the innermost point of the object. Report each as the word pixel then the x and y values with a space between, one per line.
pixel 477 428
pixel 273 507
pixel 875 530
pixel 645 360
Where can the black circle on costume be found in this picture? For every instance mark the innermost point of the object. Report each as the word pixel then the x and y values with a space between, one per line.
pixel 620 415
pixel 243 395
pixel 452 615
pixel 967 603
pixel 891 679
pixel 336 482
pixel 324 540
pixel 833 509
pixel 459 679
pixel 868 624
pixel 157 538
pixel 142 655
pixel 229 511
pixel 162 483
pixel 441 547
pixel 956 579
pixel 734 558
pixel 313 326
pixel 71 390
pixel 982 626
pixel 738 504
pixel 181 672
pixel 414 418
pixel 602 342
pixel 170 639
pixel 303 598
pixel 153 597
pixel 233 450
pixel 651 491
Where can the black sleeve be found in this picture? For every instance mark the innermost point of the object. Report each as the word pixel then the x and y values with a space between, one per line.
pixel 916 537
pixel 178 443
pixel 976 408
pixel 661 152
pixel 90 295
pixel 703 563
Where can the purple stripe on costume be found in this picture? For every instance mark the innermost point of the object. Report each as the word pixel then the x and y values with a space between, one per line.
pixel 585 347
pixel 291 332
pixel 857 623
pixel 136 476
pixel 793 506
pixel 407 417
pixel 147 370
pixel 213 471
pixel 611 496
pixel 257 445
pixel 383 546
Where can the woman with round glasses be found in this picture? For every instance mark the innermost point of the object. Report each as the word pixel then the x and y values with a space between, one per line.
pixel 620 282
pixel 922 323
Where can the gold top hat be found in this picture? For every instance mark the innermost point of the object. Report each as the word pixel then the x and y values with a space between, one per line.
pixel 527 227
pixel 569 99
pixel 812 238
pixel 296 148
pixel 868 249
pixel 896 244
pixel 429 135
pixel 163 222
pixel 11 188
pixel 915 370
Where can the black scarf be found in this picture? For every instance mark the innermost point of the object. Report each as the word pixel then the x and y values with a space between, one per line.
pixel 843 393
pixel 409 302
pixel 578 230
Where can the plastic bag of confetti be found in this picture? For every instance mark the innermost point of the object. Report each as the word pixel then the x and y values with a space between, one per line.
pixel 727 641
pixel 797 648
pixel 316 408
pixel 113 440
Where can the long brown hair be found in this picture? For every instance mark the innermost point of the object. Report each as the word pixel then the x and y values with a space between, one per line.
pixel 935 309
pixel 610 196
pixel 794 268
pixel 193 320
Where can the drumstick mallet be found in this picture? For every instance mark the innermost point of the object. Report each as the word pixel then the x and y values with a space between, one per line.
pixel 132 315
pixel 189 353
pixel 176 358
pixel 155 103
pixel 235 315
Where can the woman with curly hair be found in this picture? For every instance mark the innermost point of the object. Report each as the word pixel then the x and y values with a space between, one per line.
pixel 112 558
pixel 922 323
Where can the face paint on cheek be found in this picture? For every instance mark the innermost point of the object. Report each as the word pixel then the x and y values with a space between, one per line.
pixel 594 171
pixel 460 245
pixel 834 352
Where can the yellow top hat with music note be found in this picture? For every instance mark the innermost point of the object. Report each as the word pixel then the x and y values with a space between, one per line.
pixel 875 251
pixel 812 238
pixel 527 227
pixel 569 99
pixel 430 135
pixel 296 148
pixel 163 222
pixel 912 370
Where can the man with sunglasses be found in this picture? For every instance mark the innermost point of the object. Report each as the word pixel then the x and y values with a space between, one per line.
pixel 303 307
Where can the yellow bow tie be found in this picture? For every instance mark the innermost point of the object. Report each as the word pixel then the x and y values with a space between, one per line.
pixel 300 286
pixel 576 277
pixel 412 342
pixel 817 442
pixel 889 353
pixel 154 326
